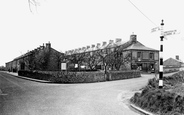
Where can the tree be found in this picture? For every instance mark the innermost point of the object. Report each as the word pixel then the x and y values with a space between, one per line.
pixel 33 4
pixel 114 58
pixel 92 60
pixel 77 58
pixel 30 61
pixel 41 60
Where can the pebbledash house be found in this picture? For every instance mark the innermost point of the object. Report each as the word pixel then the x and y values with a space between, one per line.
pixel 115 55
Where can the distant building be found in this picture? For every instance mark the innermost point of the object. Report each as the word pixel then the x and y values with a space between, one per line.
pixel 41 58
pixel 172 64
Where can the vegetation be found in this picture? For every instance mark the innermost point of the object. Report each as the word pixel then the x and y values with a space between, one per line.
pixel 2 68
pixel 110 58
pixel 78 77
pixel 166 101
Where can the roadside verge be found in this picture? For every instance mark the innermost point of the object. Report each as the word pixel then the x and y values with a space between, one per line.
pixel 31 79
pixel 140 110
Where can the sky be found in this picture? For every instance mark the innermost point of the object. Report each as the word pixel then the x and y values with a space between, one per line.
pixel 70 24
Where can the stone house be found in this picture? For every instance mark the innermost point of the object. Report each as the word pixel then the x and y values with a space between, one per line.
pixel 135 55
pixel 41 58
pixel 172 64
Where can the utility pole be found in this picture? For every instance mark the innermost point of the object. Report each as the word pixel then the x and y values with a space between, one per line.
pixel 161 57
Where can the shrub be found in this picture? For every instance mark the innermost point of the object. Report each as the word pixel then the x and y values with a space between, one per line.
pixel 161 101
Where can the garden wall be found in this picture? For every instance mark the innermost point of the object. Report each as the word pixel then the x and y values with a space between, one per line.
pixel 119 75
pixel 79 77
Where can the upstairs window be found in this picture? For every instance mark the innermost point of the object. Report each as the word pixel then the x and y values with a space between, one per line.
pixel 139 55
pixel 151 56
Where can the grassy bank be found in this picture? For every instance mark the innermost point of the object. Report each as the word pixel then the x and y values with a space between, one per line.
pixel 166 101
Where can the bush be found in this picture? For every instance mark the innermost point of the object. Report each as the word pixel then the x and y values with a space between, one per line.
pixel 161 101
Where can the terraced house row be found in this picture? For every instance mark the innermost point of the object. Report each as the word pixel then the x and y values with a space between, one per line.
pixel 114 55
pixel 41 58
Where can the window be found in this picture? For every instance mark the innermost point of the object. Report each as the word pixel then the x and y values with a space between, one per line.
pixel 145 55
pixel 138 55
pixel 151 56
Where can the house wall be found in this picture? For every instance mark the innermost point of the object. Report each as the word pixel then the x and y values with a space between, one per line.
pixel 23 63
pixel 144 62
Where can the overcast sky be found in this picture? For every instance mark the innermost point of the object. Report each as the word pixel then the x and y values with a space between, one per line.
pixel 70 24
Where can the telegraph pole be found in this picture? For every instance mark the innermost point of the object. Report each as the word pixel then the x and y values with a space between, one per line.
pixel 161 57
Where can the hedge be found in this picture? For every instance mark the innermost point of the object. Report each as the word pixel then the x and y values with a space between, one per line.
pixel 119 75
pixel 161 101
pixel 79 77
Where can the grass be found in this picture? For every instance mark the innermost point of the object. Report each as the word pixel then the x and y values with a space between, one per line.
pixel 166 101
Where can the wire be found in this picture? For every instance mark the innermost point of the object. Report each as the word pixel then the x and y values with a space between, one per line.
pixel 142 13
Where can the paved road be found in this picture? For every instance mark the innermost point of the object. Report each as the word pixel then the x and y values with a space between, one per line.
pixel 23 97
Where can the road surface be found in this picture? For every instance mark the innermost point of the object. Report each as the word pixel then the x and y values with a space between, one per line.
pixel 23 97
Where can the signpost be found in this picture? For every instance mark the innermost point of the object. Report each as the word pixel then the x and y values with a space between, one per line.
pixel 155 29
pixel 171 32
pixel 163 35
pixel 161 57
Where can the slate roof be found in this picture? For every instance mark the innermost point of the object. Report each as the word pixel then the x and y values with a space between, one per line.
pixel 131 44
pixel 139 46
pixel 171 62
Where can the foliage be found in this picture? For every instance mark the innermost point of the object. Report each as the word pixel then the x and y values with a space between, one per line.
pixel 92 60
pixel 118 75
pixel 78 77
pixel 161 101
pixel 2 68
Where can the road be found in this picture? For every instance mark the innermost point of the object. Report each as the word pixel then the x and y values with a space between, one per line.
pixel 23 97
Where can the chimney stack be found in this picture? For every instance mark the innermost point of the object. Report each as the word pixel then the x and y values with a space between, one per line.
pixel 48 45
pixel 98 45
pixel 92 46
pixel 104 43
pixel 79 50
pixel 118 40
pixel 133 38
pixel 88 47
pixel 111 41
pixel 83 49
pixel 66 52
pixel 177 57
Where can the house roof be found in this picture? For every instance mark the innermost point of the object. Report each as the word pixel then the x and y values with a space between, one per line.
pixel 138 46
pixel 131 44
pixel 172 62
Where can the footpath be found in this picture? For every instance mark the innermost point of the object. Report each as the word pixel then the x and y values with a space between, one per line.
pixel 27 78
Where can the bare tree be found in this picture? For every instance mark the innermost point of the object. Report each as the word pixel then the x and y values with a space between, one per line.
pixel 75 59
pixel 33 4
pixel 92 60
